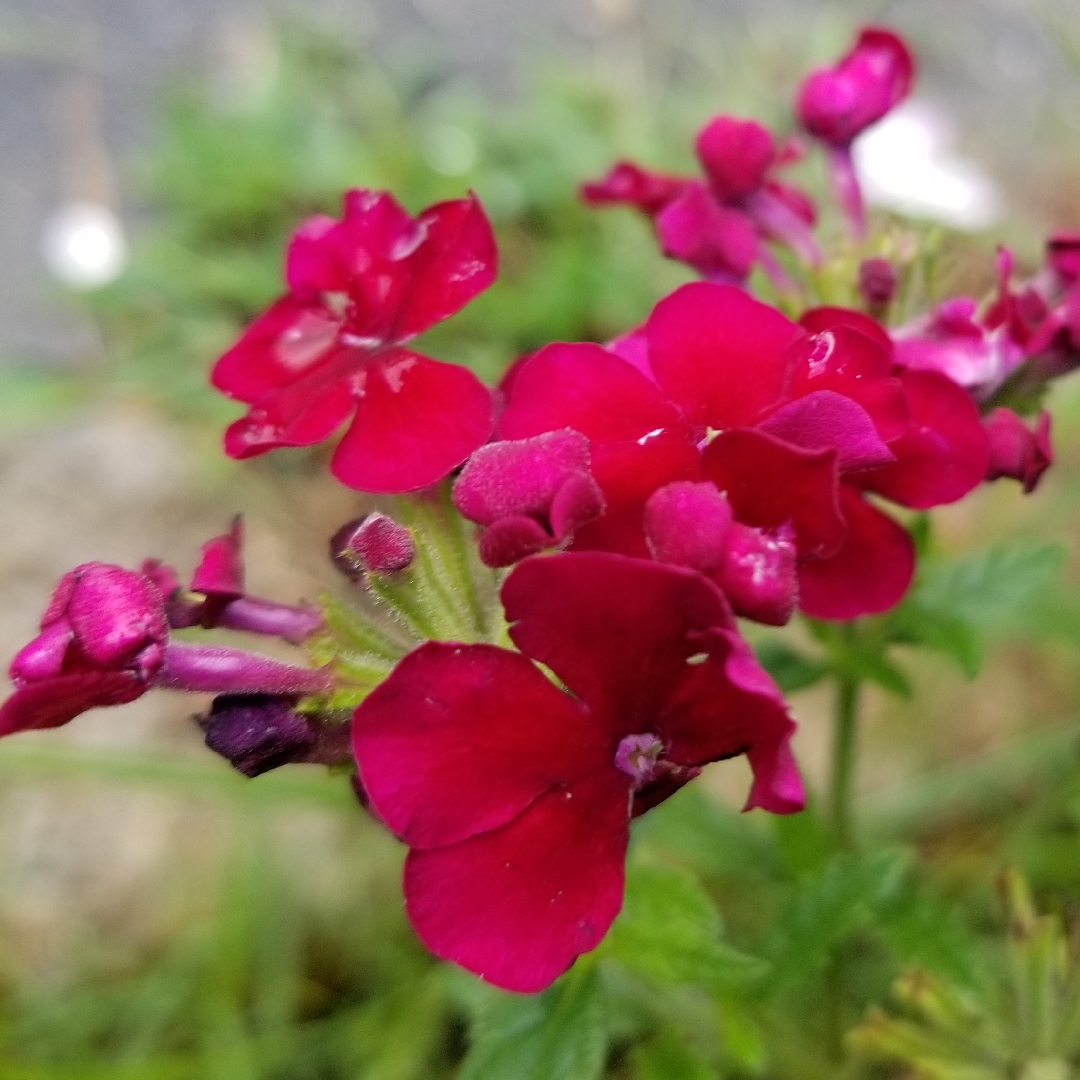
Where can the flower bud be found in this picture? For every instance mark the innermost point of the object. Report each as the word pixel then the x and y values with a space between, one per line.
pixel 877 282
pixel 1015 450
pixel 256 732
pixel 372 544
pixel 735 155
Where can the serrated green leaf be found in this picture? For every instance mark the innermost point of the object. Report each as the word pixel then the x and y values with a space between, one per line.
pixel 669 1057
pixel 913 623
pixel 669 930
pixel 791 669
pixel 560 1034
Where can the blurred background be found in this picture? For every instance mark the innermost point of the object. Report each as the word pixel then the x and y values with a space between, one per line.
pixel 160 916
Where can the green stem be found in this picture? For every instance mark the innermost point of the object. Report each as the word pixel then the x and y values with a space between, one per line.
pixel 845 724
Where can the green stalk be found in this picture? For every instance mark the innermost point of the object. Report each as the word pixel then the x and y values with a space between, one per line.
pixel 845 724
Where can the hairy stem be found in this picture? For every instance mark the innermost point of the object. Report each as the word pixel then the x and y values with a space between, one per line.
pixel 845 724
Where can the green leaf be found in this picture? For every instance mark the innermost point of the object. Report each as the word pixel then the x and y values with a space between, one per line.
pixel 913 623
pixel 669 930
pixel 669 1057
pixel 991 587
pixel 560 1034
pixel 718 841
pixel 791 669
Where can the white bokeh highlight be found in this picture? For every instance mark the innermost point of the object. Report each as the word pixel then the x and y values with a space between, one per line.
pixel 906 163
pixel 84 245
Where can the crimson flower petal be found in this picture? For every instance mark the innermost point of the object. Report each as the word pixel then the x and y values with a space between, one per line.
pixel 686 523
pixel 718 241
pixel 57 700
pixel 511 539
pixel 869 574
pixel 825 420
pixel 629 183
pixel 758 573
pixel 518 905
pixel 819 319
pixel 456 261
pixel 589 389
pixel 417 419
pixel 460 739
pixel 945 452
pixel 300 415
pixel 771 483
pixel 613 629
pixel 220 572
pixel 312 262
pixel 719 354
pixel 287 342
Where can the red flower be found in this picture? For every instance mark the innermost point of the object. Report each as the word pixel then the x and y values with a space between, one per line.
pixel 515 796
pixel 718 226
pixel 331 347
pixel 1015 450
pixel 791 422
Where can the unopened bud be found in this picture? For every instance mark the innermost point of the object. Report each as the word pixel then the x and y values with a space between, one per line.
pixel 372 544
pixel 257 732
pixel 877 282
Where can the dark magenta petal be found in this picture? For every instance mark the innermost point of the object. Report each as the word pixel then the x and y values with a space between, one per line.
pixel 290 339
pixel 417 419
pixel 460 739
pixel 851 355
pixel 220 572
pixel 719 354
pixel 312 262
pixel 613 629
pixel 685 525
pixel 1063 256
pixel 43 658
pixel 456 261
pixel 576 503
pixel 1015 450
pixel 218 669
pixel 511 539
pixel 589 389
pixel 55 701
pixel 629 183
pixel 518 905
pixel 869 574
pixel 115 614
pixel 837 103
pixel 945 452
pixel 826 420
pixel 519 476
pixel 757 573
pixel 621 531
pixel 719 242
pixel 735 155
pixel 257 732
pixel 726 705
pixel 771 483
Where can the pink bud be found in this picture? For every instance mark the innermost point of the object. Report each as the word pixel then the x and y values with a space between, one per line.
pixel 877 282
pixel 735 154
pixel 685 524
pixel 220 573
pixel 373 544
pixel 1015 450
pixel 758 573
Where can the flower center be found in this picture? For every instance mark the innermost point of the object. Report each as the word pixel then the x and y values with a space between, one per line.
pixel 638 756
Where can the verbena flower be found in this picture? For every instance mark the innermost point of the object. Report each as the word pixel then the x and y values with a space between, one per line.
pixel 331 348
pixel 837 103
pixel 515 796
pixel 791 422
pixel 104 640
pixel 719 226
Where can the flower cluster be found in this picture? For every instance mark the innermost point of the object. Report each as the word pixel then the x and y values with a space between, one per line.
pixel 719 460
